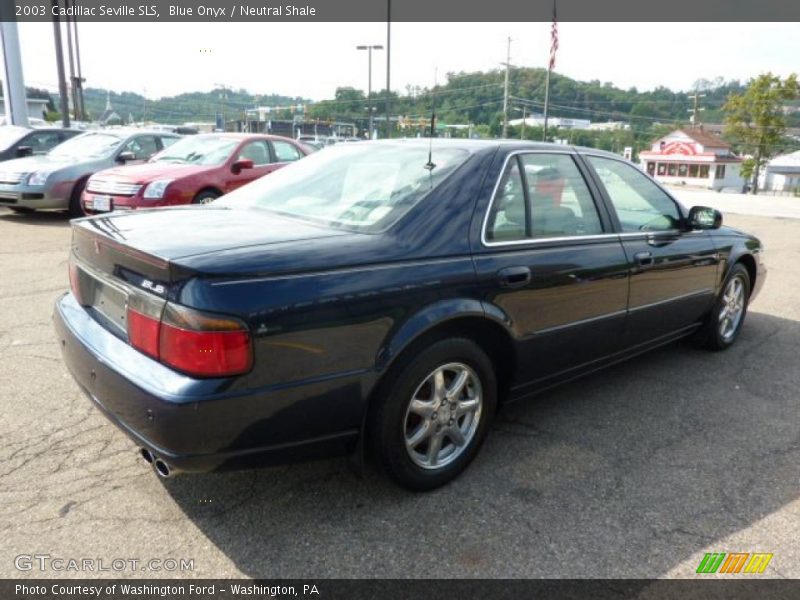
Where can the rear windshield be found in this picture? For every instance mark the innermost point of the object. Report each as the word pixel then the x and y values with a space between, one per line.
pixel 360 187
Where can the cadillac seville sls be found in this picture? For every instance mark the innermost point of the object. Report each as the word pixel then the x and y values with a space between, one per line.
pixel 383 298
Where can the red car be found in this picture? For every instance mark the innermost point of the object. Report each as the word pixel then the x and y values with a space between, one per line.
pixel 195 169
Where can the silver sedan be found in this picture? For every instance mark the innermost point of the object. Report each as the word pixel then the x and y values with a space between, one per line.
pixel 56 180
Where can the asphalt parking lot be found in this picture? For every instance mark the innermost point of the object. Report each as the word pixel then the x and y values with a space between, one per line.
pixel 633 472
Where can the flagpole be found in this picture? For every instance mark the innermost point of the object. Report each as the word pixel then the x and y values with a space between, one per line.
pixel 546 102
pixel 550 64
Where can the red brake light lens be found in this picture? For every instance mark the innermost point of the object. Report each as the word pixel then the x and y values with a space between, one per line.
pixel 193 342
pixel 143 332
pixel 205 353
pixel 74 282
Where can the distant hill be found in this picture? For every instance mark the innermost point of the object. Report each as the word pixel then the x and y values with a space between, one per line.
pixel 192 106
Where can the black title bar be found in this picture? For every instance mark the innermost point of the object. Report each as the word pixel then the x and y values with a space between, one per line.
pixel 151 11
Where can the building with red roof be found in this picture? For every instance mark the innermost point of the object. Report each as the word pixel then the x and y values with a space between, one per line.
pixel 693 157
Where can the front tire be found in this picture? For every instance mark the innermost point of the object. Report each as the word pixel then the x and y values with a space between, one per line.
pixel 725 321
pixel 205 197
pixel 433 413
pixel 75 202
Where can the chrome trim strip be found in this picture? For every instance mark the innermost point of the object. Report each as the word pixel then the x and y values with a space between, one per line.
pixel 616 313
pixel 673 299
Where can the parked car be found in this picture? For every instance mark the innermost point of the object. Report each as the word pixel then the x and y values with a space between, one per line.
pixel 196 170
pixel 17 142
pixel 385 297
pixel 56 180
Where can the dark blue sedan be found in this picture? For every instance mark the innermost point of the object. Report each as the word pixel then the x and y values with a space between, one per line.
pixel 384 298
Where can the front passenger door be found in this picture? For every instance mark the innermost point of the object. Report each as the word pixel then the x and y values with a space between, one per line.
pixel 673 269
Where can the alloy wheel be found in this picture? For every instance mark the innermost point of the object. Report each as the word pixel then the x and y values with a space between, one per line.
pixel 443 415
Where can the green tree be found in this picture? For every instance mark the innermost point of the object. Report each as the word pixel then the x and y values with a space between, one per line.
pixel 755 119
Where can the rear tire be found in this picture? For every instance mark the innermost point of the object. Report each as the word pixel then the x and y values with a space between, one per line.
pixel 433 412
pixel 725 321
pixel 205 196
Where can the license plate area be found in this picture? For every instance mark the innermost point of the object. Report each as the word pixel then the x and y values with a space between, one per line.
pixel 101 203
pixel 109 300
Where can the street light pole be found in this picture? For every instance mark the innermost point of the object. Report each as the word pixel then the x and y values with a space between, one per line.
pixel 369 50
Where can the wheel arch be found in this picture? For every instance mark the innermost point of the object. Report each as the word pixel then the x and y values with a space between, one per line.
pixel 749 263
pixel 468 318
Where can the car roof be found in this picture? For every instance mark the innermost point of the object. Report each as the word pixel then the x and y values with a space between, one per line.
pixel 237 135
pixel 474 145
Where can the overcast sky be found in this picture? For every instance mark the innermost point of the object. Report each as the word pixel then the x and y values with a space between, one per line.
pixel 312 59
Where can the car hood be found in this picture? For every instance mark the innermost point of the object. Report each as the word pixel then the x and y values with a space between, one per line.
pixel 36 163
pixel 147 172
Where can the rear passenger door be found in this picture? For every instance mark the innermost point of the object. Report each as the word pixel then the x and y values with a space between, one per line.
pixel 673 269
pixel 550 264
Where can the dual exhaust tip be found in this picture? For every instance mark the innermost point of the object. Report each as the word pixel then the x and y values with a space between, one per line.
pixel 161 468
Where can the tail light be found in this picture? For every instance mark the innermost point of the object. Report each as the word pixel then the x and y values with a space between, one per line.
pixel 188 340
pixel 75 282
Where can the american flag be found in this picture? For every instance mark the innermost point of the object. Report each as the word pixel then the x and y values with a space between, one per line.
pixel 553 39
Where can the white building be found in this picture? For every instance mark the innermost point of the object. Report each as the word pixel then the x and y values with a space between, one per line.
pixel 781 174
pixel 554 122
pixel 610 126
pixel 36 108
pixel 693 157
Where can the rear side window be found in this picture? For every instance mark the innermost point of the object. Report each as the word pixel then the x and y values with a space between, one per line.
pixel 285 152
pixel 639 203
pixel 142 146
pixel 166 142
pixel 542 196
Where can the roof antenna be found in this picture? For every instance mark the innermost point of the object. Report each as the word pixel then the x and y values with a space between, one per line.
pixel 430 165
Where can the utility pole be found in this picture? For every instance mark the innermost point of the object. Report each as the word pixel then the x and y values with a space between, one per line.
pixel 505 89
pixel 388 67
pixel 62 79
pixel 695 110
pixel 522 133
pixel 72 88
pixel 82 106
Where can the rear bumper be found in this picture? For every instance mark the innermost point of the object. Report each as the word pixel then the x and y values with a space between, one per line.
pixel 199 425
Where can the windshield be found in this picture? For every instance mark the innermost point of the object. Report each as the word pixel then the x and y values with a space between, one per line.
pixel 199 150
pixel 88 145
pixel 362 187
pixel 10 135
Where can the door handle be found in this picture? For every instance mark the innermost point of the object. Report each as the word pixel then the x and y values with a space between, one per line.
pixel 643 259
pixel 512 277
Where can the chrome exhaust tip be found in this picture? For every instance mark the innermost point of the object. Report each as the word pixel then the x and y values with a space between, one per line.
pixel 162 468
pixel 147 455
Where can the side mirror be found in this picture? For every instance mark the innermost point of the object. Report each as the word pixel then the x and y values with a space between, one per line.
pixel 242 163
pixel 24 151
pixel 704 217
pixel 124 157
